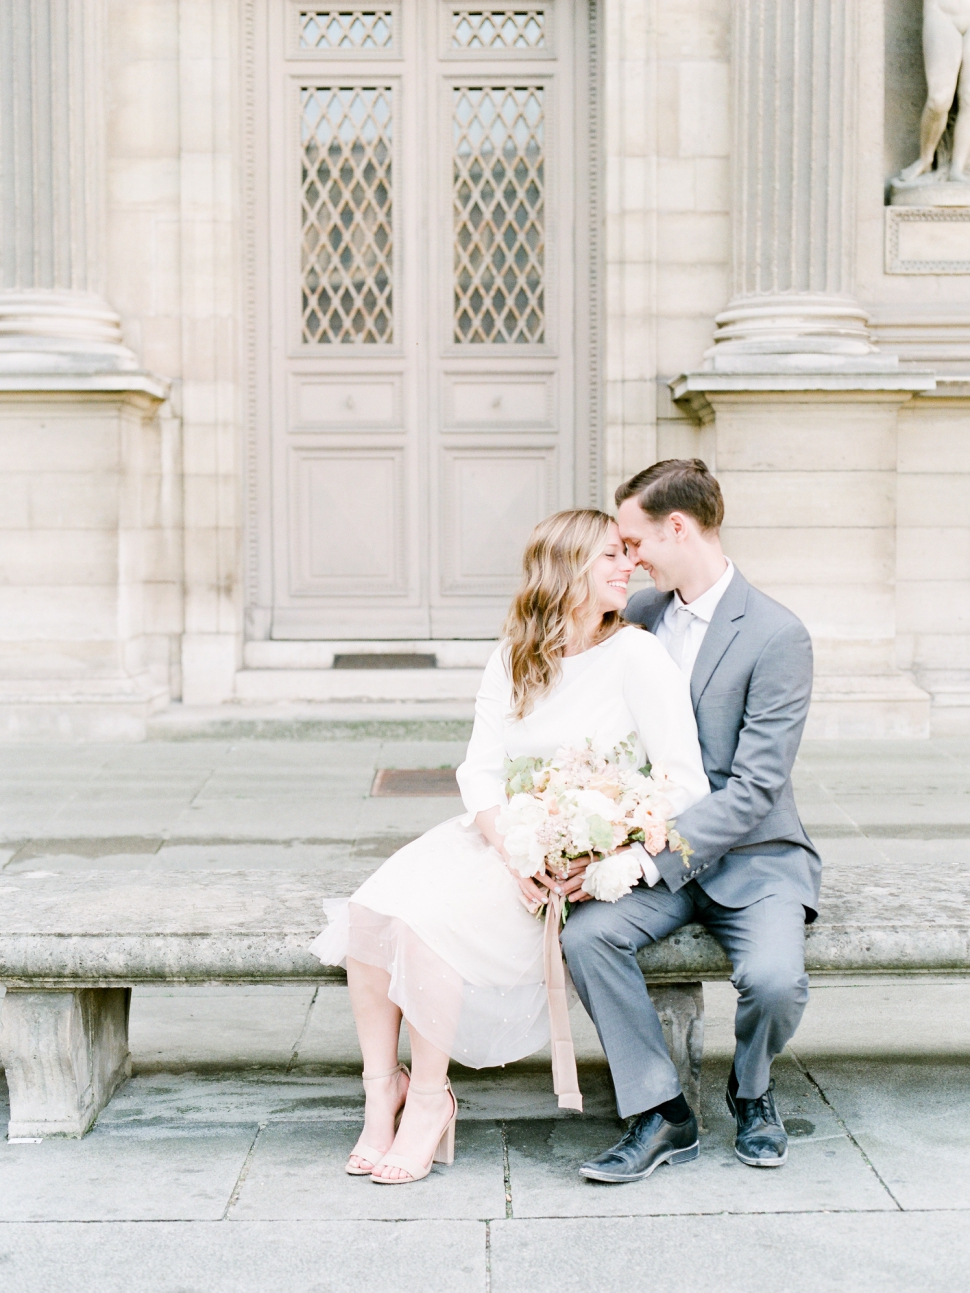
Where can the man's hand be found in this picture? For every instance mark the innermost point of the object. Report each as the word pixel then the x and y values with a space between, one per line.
pixel 572 888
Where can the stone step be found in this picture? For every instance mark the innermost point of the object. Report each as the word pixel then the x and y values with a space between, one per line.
pixel 403 720
pixel 261 686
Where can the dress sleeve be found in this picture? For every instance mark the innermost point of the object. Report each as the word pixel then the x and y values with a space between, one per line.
pixel 481 778
pixel 658 696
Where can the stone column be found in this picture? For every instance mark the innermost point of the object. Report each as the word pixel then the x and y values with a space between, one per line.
pixel 52 315
pixel 803 406
pixel 795 64
pixel 86 535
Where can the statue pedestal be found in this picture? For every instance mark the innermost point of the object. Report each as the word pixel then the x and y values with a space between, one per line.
pixel 807 462
pixel 929 192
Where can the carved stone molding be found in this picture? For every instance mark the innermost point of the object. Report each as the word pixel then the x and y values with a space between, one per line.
pixel 927 240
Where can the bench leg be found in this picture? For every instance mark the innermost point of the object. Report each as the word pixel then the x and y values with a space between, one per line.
pixel 65 1054
pixel 681 1010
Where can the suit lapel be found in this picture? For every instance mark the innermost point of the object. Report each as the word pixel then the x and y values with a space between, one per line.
pixel 721 632
pixel 656 612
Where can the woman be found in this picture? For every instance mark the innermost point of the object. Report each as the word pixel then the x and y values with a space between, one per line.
pixel 442 932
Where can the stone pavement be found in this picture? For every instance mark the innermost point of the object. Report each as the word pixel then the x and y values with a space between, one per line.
pixel 218 1167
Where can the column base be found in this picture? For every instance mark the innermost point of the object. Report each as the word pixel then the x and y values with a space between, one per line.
pixel 65 1055
pixel 950 713
pixel 44 331
pixel 91 550
pixel 855 707
pixel 807 459
pixel 79 709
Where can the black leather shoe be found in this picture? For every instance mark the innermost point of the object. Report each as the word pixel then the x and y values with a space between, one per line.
pixel 761 1140
pixel 649 1140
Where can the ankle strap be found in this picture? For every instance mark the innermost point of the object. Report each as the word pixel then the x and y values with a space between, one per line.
pixel 429 1090
pixel 375 1077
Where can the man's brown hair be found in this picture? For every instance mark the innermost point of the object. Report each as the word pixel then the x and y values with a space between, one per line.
pixel 676 485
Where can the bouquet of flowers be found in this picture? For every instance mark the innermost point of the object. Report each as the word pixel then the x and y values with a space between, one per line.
pixel 581 803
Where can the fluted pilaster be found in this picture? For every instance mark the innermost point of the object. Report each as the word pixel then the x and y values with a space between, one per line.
pixel 53 317
pixel 793 157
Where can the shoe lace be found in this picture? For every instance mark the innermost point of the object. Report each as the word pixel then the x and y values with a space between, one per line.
pixel 761 1106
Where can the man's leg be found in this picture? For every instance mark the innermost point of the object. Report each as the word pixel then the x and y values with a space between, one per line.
pixel 601 941
pixel 766 945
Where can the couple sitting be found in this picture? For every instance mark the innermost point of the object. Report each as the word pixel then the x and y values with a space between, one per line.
pixel 717 689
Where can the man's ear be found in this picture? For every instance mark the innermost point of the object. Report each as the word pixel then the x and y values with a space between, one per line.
pixel 678 523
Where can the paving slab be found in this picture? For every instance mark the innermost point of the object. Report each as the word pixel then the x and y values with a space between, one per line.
pixel 825 1170
pixel 421 754
pixel 889 810
pixel 833 1253
pixel 906 1018
pixel 178 1173
pixel 913 1123
pixel 333 858
pixel 246 1257
pixel 304 817
pixel 244 1096
pixel 297 1173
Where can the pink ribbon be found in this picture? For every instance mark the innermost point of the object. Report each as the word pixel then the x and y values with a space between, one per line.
pixel 565 1080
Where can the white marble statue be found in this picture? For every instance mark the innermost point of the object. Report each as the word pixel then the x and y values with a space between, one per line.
pixel 946 53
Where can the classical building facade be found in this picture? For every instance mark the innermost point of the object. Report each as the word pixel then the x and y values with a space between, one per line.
pixel 309 312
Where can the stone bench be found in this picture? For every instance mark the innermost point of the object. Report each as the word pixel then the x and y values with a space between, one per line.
pixel 73 946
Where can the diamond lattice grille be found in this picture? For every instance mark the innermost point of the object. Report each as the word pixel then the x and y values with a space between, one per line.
pixel 498 29
pixel 499 214
pixel 346 28
pixel 346 257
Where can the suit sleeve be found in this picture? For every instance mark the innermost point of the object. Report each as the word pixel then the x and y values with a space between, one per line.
pixel 779 693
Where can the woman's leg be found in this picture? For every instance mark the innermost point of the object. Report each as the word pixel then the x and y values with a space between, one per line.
pixel 378 1023
pixel 425 1115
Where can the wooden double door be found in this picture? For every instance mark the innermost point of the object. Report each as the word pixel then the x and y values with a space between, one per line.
pixel 426 235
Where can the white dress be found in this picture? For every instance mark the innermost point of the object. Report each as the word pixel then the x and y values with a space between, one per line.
pixel 443 915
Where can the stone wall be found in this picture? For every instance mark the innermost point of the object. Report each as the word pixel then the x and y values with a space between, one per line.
pixel 175 213
pixel 667 122
pixel 846 482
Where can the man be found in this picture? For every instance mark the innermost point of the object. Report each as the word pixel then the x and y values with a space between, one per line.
pixel 753 876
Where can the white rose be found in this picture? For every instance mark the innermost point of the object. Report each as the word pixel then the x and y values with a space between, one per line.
pixel 613 876
pixel 518 823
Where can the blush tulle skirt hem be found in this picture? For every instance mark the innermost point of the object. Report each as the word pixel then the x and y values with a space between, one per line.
pixel 443 918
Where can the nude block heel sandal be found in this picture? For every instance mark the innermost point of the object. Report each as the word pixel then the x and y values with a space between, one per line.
pixel 367 1152
pixel 445 1152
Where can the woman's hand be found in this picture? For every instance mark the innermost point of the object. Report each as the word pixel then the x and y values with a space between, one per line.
pixel 530 895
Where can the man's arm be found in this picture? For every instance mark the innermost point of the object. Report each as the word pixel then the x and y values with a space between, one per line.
pixel 777 705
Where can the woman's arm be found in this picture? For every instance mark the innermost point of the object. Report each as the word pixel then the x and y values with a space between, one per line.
pixel 658 696
pixel 481 776
pixel 532 895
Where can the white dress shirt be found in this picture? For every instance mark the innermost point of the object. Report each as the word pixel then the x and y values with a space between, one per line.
pixel 682 631
pixel 698 613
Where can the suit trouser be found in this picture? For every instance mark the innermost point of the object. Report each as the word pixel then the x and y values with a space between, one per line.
pixel 766 946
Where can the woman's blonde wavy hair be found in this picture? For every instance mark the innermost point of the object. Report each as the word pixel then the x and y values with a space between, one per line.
pixel 555 587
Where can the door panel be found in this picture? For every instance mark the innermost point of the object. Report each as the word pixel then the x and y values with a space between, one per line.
pixel 497 400
pixel 335 552
pixel 493 498
pixel 343 402
pixel 426 303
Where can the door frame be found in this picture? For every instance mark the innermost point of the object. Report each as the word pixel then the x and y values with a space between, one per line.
pixel 256 297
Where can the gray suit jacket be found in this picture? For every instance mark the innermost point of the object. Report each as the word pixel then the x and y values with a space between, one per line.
pixel 751 686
